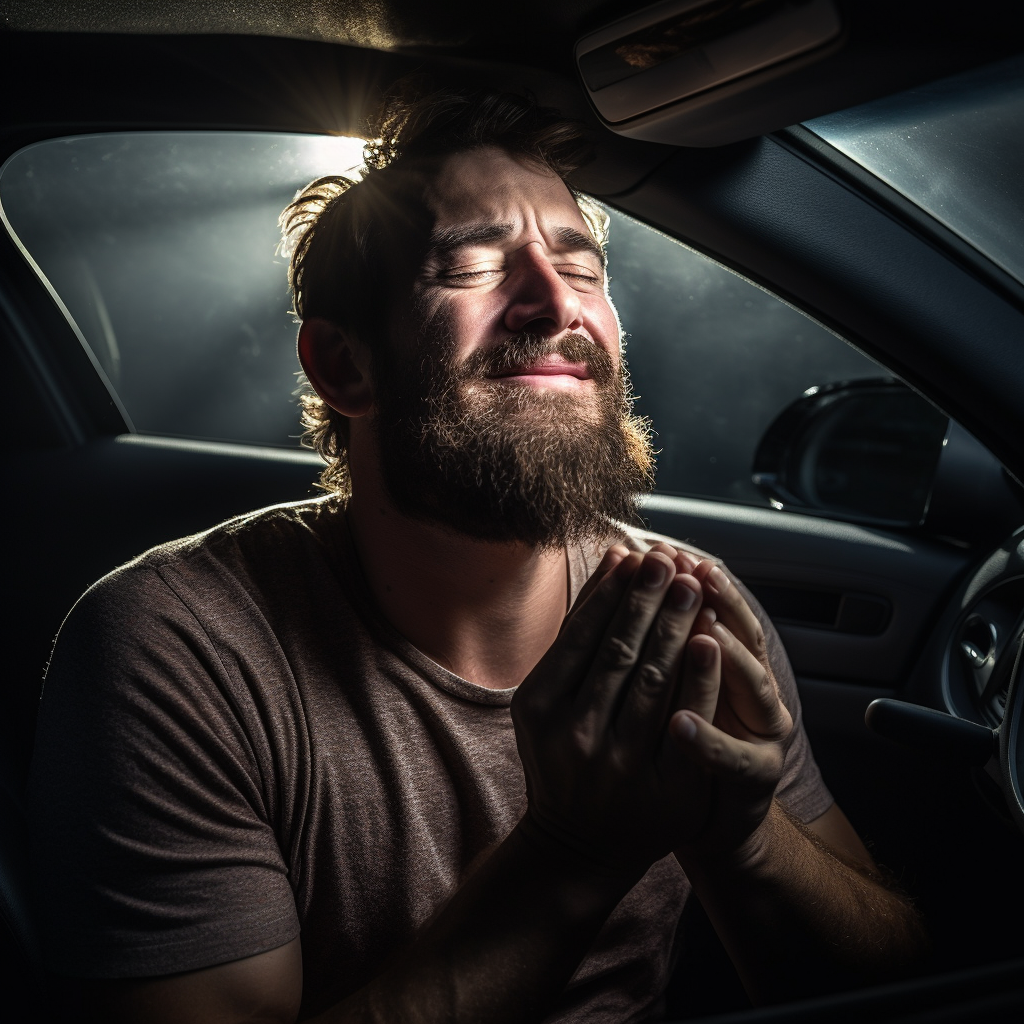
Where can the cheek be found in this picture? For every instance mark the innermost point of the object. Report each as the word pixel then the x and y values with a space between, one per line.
pixel 475 319
pixel 605 328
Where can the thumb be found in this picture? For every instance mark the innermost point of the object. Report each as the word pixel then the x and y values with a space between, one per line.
pixel 710 748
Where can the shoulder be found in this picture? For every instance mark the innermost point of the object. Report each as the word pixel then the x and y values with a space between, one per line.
pixel 229 548
pixel 193 622
pixel 261 530
pixel 201 588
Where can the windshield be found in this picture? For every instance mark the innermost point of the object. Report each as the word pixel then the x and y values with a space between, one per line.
pixel 955 148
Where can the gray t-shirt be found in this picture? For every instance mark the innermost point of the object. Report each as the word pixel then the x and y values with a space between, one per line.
pixel 235 747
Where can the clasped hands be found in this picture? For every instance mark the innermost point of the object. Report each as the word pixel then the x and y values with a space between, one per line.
pixel 653 724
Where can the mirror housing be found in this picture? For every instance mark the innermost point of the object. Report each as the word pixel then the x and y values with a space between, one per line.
pixel 877 453
pixel 864 450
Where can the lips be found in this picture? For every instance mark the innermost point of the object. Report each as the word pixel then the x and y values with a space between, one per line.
pixel 573 362
pixel 552 366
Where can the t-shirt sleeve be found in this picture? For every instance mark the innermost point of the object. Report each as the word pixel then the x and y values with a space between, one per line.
pixel 154 851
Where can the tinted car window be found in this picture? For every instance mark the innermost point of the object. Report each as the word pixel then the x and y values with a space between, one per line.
pixel 161 246
pixel 714 359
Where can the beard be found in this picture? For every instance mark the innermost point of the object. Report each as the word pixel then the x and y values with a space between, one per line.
pixel 505 462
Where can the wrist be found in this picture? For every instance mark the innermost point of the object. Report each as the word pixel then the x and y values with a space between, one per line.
pixel 751 854
pixel 559 852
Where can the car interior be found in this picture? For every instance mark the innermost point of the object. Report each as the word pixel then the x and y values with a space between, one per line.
pixel 833 364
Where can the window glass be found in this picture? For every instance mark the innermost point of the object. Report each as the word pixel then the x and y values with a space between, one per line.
pixel 714 359
pixel 955 147
pixel 162 248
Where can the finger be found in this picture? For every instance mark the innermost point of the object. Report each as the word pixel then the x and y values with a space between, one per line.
pixel 612 557
pixel 649 695
pixel 725 598
pixel 701 677
pixel 706 618
pixel 665 548
pixel 750 689
pixel 685 561
pixel 618 652
pixel 721 754
pixel 558 675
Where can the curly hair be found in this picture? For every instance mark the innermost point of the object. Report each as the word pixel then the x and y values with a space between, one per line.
pixel 347 237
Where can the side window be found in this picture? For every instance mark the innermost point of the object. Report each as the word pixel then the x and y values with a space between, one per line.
pixel 161 247
pixel 753 402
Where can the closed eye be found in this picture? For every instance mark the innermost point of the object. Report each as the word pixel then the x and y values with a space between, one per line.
pixel 580 274
pixel 469 275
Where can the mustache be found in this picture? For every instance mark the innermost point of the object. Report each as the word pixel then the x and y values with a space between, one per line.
pixel 525 348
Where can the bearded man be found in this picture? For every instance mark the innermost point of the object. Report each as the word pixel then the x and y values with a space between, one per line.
pixel 449 743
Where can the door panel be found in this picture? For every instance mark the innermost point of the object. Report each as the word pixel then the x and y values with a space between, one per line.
pixel 925 819
pixel 824 561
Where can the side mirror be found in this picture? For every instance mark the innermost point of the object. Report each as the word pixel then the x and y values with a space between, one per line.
pixel 863 450
pixel 875 452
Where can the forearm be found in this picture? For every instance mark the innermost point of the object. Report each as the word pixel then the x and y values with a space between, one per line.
pixel 797 920
pixel 504 946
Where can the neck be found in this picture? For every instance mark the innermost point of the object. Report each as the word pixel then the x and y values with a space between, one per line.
pixel 485 611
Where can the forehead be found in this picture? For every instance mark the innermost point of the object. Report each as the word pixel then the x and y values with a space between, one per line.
pixel 488 186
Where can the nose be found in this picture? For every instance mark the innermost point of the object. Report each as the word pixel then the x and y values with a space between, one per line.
pixel 541 301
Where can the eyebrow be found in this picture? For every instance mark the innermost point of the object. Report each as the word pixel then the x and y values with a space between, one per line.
pixel 443 243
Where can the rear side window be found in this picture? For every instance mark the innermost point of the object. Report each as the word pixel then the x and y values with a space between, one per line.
pixel 161 248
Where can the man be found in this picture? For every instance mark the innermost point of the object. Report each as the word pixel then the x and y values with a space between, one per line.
pixel 368 718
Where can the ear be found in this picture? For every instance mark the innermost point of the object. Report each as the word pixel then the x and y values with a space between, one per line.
pixel 337 366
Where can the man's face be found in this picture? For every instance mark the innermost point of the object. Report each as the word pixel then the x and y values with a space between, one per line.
pixel 501 403
pixel 511 253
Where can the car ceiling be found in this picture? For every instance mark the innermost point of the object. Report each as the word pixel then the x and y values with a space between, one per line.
pixel 886 45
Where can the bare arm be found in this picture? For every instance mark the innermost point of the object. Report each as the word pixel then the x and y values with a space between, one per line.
pixel 500 950
pixel 798 921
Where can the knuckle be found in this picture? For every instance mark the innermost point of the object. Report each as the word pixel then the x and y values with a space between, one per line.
pixel 715 751
pixel 616 653
pixel 668 629
pixel 581 738
pixel 638 604
pixel 704 687
pixel 651 677
pixel 619 760
pixel 760 644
